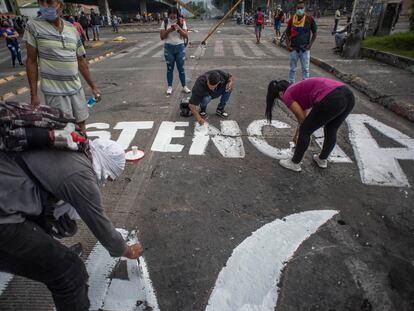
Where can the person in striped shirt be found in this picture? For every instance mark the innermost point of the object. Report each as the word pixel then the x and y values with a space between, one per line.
pixel 54 48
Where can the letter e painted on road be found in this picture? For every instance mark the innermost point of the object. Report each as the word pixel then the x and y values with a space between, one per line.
pixel 255 132
pixel 379 166
pixel 166 133
pixel 228 141
pixel 130 129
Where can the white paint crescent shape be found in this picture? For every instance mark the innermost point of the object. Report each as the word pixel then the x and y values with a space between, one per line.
pixel 5 279
pixel 249 280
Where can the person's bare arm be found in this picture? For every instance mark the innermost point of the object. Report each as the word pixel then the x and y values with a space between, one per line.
pixel 84 70
pixel 194 110
pixel 300 115
pixel 164 33
pixel 32 73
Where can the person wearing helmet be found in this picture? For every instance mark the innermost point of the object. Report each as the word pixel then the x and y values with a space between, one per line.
pixel 26 249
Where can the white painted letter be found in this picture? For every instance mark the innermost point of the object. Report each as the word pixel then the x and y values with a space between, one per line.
pixel 337 155
pixel 99 134
pixel 130 129
pixel 255 132
pixel 228 142
pixel 166 133
pixel 379 166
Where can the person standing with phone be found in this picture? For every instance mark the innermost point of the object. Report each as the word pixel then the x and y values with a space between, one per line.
pixel 173 31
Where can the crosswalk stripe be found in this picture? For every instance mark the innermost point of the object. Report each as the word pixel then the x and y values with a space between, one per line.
pixel 237 50
pixel 255 49
pixel 201 50
pixel 274 49
pixel 159 53
pixel 147 51
pixel 218 48
pixel 133 50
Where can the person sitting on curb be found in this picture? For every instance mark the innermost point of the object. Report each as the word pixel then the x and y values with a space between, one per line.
pixel 210 85
pixel 29 180
pixel 329 103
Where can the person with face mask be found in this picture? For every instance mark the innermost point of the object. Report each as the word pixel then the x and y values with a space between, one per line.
pixel 55 48
pixel 10 34
pixel 210 85
pixel 26 248
pixel 299 41
pixel 173 31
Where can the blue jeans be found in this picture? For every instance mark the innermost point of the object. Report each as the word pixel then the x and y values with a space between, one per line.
pixel 304 57
pixel 175 54
pixel 225 96
pixel 14 48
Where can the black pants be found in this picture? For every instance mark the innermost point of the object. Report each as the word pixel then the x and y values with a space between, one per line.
pixel 329 113
pixel 336 25
pixel 26 250
pixel 86 32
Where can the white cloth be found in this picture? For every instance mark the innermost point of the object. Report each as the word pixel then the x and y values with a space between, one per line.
pixel 174 37
pixel 108 159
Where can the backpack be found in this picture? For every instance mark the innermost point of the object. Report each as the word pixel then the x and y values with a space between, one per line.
pixel 260 19
pixel 184 109
pixel 16 118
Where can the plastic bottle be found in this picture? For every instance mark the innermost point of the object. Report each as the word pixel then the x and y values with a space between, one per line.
pixel 91 102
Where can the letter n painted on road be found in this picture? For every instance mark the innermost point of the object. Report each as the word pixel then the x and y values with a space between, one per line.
pixel 379 166
pixel 228 142
pixel 166 133
pixel 256 137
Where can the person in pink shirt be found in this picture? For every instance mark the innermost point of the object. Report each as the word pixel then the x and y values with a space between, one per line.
pixel 316 102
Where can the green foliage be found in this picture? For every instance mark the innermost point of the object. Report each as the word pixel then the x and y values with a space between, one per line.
pixel 399 43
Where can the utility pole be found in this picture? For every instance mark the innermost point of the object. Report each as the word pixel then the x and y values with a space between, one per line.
pixel 359 19
pixel 242 11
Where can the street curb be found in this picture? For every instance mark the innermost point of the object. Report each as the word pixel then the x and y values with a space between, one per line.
pixel 400 107
pixel 22 90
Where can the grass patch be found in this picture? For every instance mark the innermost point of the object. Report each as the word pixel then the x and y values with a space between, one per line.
pixel 399 43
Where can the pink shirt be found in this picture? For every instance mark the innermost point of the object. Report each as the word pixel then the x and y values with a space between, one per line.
pixel 309 92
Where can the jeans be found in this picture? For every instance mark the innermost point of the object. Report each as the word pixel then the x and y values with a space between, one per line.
pixel 304 57
pixel 221 92
pixel 175 54
pixel 330 113
pixel 14 48
pixel 26 250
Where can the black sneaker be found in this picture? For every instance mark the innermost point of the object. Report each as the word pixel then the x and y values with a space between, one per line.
pixel 203 113
pixel 222 113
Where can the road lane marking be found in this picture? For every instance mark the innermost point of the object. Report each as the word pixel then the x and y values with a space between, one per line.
pixel 249 280
pixel 149 50
pixel 255 48
pixel 275 50
pixel 133 50
pixel 218 48
pixel 237 50
pixel 160 53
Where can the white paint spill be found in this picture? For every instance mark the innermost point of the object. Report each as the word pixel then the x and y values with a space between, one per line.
pixel 228 141
pixel 379 166
pixel 5 279
pixel 99 134
pixel 255 135
pixel 130 129
pixel 337 155
pixel 166 133
pixel 249 280
pixel 116 294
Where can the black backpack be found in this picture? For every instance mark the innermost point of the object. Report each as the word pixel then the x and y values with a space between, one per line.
pixel 184 108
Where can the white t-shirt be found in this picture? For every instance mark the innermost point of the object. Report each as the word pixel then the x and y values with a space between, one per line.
pixel 174 37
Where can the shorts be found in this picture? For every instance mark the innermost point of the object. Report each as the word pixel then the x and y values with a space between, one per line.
pixel 278 25
pixel 95 28
pixel 74 105
pixel 258 28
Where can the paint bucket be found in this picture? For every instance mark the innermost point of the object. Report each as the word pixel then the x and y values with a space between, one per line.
pixel 134 155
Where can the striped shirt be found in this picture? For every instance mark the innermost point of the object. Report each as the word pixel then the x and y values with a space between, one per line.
pixel 57 53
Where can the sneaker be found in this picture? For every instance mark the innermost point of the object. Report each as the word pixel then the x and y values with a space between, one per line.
pixel 321 163
pixel 287 163
pixel 169 90
pixel 203 113
pixel 186 90
pixel 222 113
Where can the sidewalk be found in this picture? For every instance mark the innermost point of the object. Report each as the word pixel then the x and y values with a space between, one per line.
pixel 384 84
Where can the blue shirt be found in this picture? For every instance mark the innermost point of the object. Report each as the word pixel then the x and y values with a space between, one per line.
pixel 8 32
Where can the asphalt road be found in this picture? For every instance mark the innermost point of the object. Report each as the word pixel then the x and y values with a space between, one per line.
pixel 194 206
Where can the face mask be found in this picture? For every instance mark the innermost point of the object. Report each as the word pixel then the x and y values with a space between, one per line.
pixel 49 14
pixel 300 12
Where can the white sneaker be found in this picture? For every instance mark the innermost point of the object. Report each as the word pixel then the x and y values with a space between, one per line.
pixel 186 90
pixel 321 163
pixel 169 90
pixel 287 163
